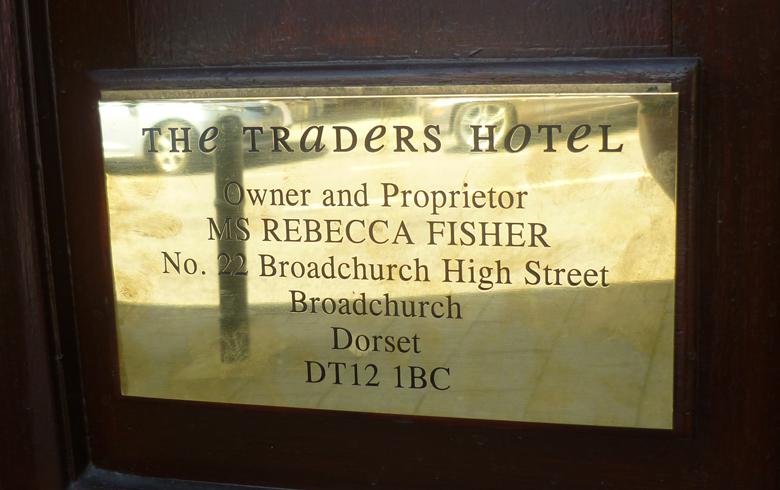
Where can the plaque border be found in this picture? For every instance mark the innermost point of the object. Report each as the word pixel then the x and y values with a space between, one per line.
pixel 141 422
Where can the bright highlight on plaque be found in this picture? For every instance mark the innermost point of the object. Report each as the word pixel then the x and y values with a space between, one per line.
pixel 483 252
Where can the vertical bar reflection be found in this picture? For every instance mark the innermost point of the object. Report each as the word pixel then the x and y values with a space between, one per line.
pixel 233 316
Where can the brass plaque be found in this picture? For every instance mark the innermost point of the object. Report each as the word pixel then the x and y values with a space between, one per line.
pixel 483 252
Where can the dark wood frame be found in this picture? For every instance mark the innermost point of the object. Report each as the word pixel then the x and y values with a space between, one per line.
pixel 142 434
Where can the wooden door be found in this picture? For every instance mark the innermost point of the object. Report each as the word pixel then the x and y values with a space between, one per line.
pixel 62 414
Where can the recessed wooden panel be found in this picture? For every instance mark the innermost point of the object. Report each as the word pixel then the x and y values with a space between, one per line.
pixel 185 33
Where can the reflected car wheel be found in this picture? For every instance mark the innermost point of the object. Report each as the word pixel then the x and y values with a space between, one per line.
pixel 658 140
pixel 483 114
pixel 164 159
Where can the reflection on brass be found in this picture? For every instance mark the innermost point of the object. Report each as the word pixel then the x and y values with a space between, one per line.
pixel 486 252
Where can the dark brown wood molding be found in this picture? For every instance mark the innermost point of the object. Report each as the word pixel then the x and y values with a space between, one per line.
pixel 738 400
pixel 31 453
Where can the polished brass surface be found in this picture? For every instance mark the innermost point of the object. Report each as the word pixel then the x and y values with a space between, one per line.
pixel 584 185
